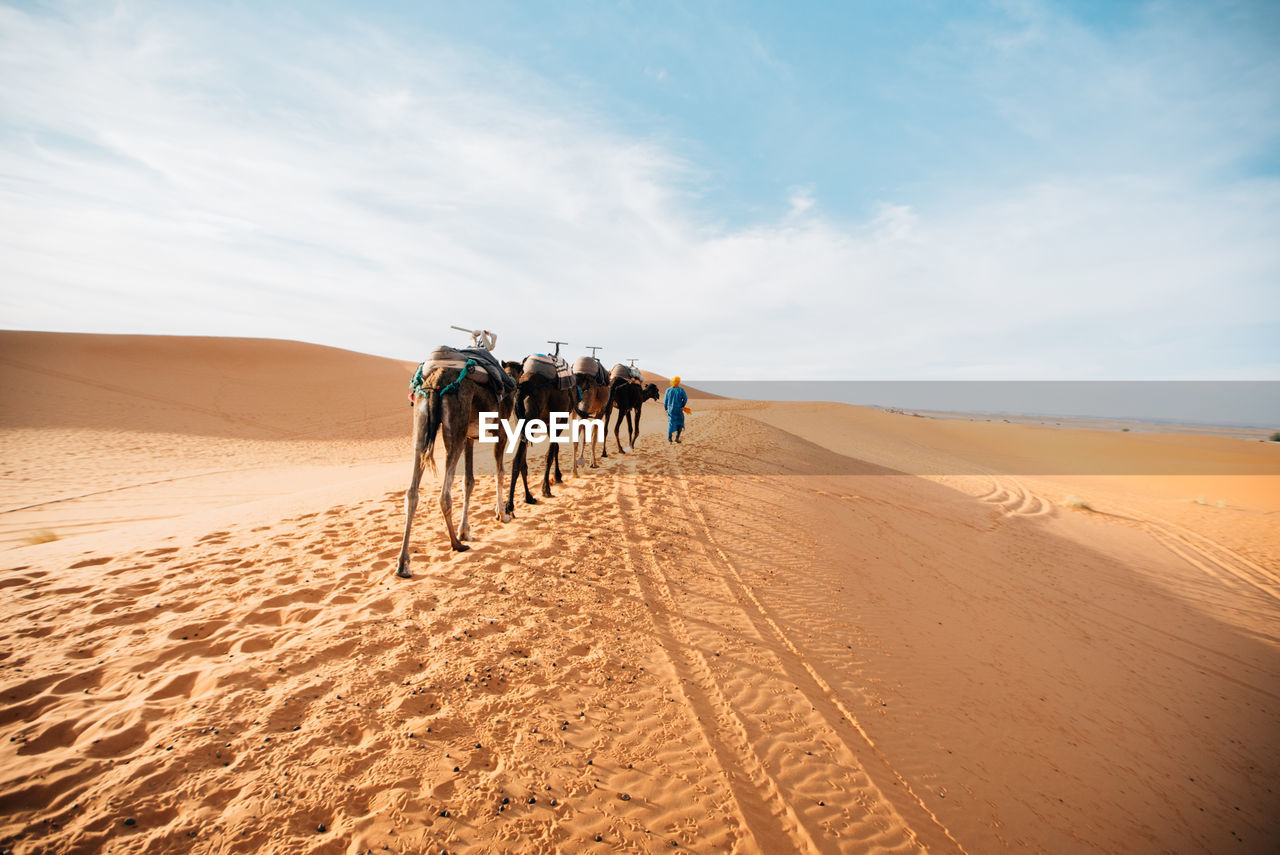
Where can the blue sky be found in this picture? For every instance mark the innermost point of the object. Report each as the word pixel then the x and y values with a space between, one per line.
pixel 932 190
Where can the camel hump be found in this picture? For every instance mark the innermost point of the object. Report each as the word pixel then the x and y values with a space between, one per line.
pixel 624 372
pixel 589 366
pixel 450 357
pixel 444 357
pixel 553 368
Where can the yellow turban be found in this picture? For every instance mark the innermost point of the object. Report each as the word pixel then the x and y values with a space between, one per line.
pixel 675 381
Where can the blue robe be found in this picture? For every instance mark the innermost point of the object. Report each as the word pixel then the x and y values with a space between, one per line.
pixel 674 404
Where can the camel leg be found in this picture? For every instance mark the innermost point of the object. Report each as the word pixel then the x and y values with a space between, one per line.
pixel 511 487
pixel 604 437
pixel 556 456
pixel 411 495
pixel 524 474
pixel 577 447
pixel 630 433
pixel 522 461
pixel 468 484
pixel 499 510
pixel 635 435
pixel 617 426
pixel 452 453
pixel 546 472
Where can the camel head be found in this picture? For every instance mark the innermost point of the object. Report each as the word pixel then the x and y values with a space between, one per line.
pixel 650 392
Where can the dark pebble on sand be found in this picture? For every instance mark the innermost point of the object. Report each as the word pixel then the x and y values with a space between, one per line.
pixel 322 828
pixel 599 838
pixel 625 797
pixel 506 800
pixel 456 769
pixel 444 812
pixel 532 800
pixel 130 821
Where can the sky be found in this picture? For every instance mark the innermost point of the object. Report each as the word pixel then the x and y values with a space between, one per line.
pixel 830 191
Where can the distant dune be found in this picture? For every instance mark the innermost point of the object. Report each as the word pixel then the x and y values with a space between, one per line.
pixel 232 387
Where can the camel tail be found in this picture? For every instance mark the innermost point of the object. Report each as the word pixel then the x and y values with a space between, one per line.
pixel 577 405
pixel 433 412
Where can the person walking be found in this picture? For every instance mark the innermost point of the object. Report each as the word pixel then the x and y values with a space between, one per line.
pixel 674 403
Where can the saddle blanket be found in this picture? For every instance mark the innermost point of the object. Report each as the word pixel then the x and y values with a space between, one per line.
pixel 591 367
pixel 624 372
pixel 452 357
pixel 550 367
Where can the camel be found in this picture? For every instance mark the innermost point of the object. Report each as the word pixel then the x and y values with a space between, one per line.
pixel 593 394
pixel 537 397
pixel 449 402
pixel 627 395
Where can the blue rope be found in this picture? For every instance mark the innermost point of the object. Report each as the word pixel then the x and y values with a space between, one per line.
pixel 453 387
pixel 418 389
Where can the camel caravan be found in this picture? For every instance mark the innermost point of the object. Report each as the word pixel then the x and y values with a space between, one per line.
pixel 455 393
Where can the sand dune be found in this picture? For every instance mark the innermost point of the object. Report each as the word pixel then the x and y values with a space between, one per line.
pixel 811 628
pixel 244 388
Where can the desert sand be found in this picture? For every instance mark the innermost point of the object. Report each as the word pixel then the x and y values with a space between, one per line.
pixel 809 628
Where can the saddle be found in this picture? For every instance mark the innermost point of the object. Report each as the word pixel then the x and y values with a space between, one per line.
pixel 551 367
pixel 591 367
pixel 451 357
pixel 624 372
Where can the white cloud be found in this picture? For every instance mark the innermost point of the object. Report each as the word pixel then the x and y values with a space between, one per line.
pixel 164 173
pixel 801 200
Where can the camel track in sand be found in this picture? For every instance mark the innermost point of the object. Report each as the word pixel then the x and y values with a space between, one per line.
pixel 758 797
pixel 1208 555
pixel 1014 497
pixel 1204 553
pixel 915 814
pixel 739 668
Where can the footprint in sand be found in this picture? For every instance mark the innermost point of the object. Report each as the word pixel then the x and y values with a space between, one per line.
pixel 91 562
